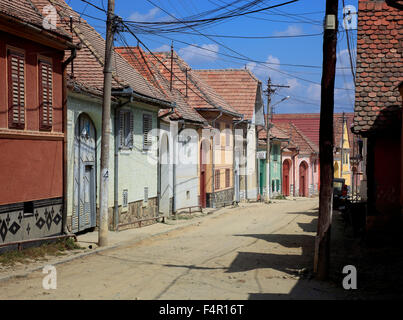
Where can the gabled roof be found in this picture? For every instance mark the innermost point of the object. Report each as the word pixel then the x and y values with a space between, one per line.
pixel 276 133
pixel 298 138
pixel 26 12
pixel 309 124
pixel 379 66
pixel 141 62
pixel 88 65
pixel 198 94
pixel 239 87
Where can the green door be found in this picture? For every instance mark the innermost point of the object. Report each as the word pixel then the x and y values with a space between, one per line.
pixel 262 177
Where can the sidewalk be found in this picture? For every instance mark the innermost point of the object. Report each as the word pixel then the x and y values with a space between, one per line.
pixel 89 241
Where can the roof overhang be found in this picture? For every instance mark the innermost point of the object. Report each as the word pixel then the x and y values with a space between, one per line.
pixel 232 114
pixel 32 32
pixel 128 92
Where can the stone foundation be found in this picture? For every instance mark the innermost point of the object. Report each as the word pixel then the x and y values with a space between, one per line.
pixel 37 219
pixel 221 198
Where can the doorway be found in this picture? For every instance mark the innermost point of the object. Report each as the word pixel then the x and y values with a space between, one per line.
pixel 286 177
pixel 84 187
pixel 303 177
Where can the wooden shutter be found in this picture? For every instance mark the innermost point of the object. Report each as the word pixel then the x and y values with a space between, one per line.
pixel 16 90
pixel 227 178
pixel 147 126
pixel 131 130
pixel 217 179
pixel 45 95
pixel 121 128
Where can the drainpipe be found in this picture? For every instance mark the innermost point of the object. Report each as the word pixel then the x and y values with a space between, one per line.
pixel 116 171
pixel 233 153
pixel 65 156
pixel 182 122
pixel 293 171
pixel 213 161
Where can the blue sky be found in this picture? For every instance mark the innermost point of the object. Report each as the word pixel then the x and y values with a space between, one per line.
pixel 300 18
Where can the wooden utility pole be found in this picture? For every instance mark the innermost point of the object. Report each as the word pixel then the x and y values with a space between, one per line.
pixel 322 241
pixel 106 130
pixel 269 91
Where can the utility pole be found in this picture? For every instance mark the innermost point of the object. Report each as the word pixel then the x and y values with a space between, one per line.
pixel 322 241
pixel 269 92
pixel 106 130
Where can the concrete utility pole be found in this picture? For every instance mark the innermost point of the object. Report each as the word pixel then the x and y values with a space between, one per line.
pixel 270 91
pixel 322 241
pixel 106 130
pixel 342 146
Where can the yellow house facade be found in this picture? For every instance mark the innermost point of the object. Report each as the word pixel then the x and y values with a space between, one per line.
pixel 341 164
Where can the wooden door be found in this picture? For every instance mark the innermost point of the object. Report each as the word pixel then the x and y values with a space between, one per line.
pixel 303 176
pixel 84 187
pixel 286 178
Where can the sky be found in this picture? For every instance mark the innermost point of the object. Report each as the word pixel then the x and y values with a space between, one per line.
pixel 271 57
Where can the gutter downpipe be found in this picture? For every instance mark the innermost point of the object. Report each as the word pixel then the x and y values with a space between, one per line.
pixel 212 202
pixel 158 157
pixel 294 170
pixel 65 157
pixel 233 154
pixel 174 166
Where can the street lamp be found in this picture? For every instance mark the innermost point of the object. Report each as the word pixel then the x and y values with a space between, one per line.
pixel 268 126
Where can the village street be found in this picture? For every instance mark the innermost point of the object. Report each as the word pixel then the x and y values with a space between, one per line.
pixel 255 251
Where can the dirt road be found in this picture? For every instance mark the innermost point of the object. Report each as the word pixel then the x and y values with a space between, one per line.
pixel 255 251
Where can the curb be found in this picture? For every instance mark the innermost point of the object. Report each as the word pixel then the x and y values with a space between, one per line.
pixel 26 273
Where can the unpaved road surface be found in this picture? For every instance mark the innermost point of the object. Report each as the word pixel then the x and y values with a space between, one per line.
pixel 255 251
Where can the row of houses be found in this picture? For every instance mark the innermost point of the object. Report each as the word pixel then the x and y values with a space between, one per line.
pixel 180 138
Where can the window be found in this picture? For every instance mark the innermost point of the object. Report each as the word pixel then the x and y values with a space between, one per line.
pixel 275 152
pixel 314 166
pixel 227 177
pixel 125 198
pixel 217 179
pixel 45 95
pixel 217 135
pixel 147 127
pixel 126 129
pixel 227 135
pixel 16 90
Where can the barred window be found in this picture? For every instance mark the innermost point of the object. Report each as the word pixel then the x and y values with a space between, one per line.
pixel 217 179
pixel 147 127
pixel 45 95
pixel 16 90
pixel 227 177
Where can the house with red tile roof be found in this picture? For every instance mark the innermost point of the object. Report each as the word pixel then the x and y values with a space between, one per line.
pixel 243 91
pixel 136 103
pixel 344 139
pixel 178 173
pixel 378 111
pixel 32 123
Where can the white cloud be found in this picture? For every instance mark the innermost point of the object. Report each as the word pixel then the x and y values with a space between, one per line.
pixel 149 16
pixel 313 92
pixel 206 53
pixel 163 48
pixel 292 30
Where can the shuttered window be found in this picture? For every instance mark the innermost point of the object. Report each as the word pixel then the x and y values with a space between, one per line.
pixel 16 90
pixel 227 135
pixel 227 177
pixel 217 179
pixel 45 95
pixel 126 127
pixel 147 127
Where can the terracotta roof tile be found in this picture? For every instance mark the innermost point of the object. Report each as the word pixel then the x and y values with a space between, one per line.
pixel 88 65
pixel 379 65
pixel 143 64
pixel 239 87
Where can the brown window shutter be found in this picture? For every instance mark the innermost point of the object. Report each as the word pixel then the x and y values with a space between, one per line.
pixel 16 90
pixel 217 179
pixel 45 95
pixel 131 130
pixel 121 128
pixel 227 177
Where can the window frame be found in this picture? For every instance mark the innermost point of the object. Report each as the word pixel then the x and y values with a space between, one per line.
pixel 147 144
pixel 45 126
pixel 20 54
pixel 126 129
pixel 227 178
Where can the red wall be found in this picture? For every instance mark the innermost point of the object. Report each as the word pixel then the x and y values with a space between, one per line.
pixel 30 170
pixel 31 166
